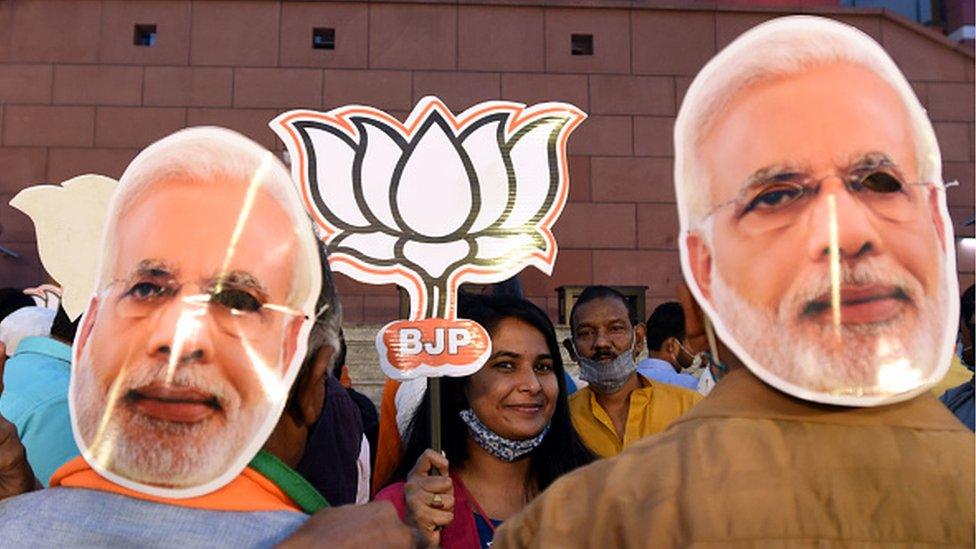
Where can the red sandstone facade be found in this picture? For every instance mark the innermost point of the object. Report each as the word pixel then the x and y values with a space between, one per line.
pixel 77 96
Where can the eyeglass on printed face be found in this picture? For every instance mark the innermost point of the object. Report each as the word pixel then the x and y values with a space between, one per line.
pixel 235 301
pixel 774 198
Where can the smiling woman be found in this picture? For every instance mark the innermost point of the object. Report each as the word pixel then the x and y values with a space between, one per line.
pixel 507 432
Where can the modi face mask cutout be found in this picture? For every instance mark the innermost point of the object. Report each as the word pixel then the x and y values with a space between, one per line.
pixel 814 228
pixel 200 317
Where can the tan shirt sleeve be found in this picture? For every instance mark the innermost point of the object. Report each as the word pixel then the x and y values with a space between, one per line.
pixel 562 516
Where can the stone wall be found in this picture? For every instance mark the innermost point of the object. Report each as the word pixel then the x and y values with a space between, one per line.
pixel 77 96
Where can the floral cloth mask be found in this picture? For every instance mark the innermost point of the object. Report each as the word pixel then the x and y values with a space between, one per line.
pixel 505 449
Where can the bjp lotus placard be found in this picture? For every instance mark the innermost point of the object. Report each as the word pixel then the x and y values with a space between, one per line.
pixel 430 203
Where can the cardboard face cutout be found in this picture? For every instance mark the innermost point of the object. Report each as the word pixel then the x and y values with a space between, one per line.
pixel 814 226
pixel 68 221
pixel 200 317
pixel 431 203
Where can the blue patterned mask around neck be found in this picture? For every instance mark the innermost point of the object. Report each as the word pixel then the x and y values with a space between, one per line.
pixel 502 448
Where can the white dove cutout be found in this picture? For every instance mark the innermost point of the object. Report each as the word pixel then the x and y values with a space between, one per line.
pixel 68 221
pixel 47 296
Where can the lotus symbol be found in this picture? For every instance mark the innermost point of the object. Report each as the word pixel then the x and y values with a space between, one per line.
pixel 437 200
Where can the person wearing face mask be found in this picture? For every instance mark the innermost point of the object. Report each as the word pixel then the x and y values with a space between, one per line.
pixel 506 430
pixel 669 360
pixel 619 406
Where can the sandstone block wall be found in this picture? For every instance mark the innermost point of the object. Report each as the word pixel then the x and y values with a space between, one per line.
pixel 77 96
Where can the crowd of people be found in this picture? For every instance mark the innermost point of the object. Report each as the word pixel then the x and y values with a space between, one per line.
pixel 112 421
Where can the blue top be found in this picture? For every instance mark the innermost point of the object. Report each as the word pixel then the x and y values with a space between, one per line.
pixel 959 400
pixel 570 384
pixel 35 400
pixel 661 370
pixel 79 517
pixel 486 534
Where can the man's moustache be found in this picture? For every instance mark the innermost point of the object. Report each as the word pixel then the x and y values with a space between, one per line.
pixel 184 394
pixel 816 307
pixel 147 382
pixel 815 297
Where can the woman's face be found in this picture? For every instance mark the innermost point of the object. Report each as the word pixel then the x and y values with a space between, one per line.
pixel 514 393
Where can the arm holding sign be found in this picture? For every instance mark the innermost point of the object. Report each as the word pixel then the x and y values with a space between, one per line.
pixel 426 500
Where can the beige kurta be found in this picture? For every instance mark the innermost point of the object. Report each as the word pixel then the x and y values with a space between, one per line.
pixel 752 466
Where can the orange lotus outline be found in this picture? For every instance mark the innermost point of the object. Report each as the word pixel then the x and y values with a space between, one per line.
pixel 519 115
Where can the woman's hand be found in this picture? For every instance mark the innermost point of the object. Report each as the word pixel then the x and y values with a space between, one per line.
pixel 429 495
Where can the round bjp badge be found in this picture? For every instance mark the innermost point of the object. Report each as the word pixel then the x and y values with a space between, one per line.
pixel 431 203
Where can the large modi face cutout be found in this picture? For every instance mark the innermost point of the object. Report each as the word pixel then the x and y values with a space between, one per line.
pixel 814 227
pixel 200 318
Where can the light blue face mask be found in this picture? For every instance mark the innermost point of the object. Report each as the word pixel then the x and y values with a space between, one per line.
pixel 505 449
pixel 608 377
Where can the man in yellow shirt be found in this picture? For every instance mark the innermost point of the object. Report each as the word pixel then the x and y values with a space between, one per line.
pixel 619 406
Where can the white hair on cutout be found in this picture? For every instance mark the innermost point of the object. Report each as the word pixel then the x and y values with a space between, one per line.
pixel 203 154
pixel 777 48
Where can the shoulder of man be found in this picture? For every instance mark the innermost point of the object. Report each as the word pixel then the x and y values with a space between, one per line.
pixel 66 517
pixel 609 502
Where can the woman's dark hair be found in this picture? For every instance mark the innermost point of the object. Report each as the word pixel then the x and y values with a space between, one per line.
pixel 560 452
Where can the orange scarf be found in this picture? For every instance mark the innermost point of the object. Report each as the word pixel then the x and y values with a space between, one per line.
pixel 250 491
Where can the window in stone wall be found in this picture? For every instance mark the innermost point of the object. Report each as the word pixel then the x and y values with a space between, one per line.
pixel 323 38
pixel 144 35
pixel 581 44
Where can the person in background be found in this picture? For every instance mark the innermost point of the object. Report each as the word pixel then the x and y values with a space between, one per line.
pixel 24 323
pixel 35 398
pixel 336 460
pixel 370 416
pixel 12 299
pixel 667 353
pixel 619 406
pixel 506 432
pixel 960 399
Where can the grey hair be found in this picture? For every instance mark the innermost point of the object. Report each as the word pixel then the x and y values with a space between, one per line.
pixel 777 48
pixel 203 154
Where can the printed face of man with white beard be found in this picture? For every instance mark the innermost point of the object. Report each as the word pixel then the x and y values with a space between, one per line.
pixel 183 354
pixel 822 254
